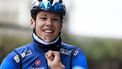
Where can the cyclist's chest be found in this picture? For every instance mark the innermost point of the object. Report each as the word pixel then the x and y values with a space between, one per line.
pixel 35 61
pixel 38 61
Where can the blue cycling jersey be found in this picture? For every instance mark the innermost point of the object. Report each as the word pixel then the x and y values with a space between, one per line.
pixel 31 56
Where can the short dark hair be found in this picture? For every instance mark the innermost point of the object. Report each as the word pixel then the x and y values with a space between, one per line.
pixel 34 13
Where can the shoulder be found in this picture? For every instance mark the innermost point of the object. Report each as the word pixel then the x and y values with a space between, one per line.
pixel 78 57
pixel 71 49
pixel 14 55
pixel 12 60
pixel 25 50
pixel 67 46
pixel 24 47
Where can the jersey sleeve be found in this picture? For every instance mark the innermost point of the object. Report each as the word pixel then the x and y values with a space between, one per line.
pixel 11 61
pixel 79 60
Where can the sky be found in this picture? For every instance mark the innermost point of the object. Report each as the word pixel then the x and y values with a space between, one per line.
pixel 95 18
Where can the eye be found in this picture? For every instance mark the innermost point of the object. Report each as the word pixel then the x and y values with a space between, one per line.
pixel 43 18
pixel 56 19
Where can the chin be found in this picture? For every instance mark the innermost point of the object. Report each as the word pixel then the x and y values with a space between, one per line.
pixel 48 40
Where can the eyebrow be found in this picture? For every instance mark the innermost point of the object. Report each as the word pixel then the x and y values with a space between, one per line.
pixel 56 15
pixel 43 15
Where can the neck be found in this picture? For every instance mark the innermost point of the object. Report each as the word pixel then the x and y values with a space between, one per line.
pixel 44 42
pixel 45 46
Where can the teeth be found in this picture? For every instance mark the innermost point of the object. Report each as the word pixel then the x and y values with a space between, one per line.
pixel 48 31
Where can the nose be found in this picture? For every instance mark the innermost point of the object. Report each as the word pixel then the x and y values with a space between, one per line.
pixel 49 22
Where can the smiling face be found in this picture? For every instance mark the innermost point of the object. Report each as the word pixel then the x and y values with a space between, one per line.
pixel 47 25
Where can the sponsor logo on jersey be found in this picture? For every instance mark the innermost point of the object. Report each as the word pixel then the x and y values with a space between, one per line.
pixel 65 51
pixel 76 52
pixel 78 67
pixel 17 59
pixel 37 62
pixel 37 68
pixel 26 53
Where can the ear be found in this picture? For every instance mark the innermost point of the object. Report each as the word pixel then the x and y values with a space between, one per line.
pixel 61 25
pixel 32 23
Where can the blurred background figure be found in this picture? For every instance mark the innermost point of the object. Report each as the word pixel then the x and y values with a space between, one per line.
pixel 95 25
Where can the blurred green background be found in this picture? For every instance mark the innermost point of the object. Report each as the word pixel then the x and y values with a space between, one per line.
pixel 101 53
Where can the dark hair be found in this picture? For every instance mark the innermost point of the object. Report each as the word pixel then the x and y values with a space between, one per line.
pixel 34 13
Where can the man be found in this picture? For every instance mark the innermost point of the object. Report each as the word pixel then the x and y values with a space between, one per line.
pixel 47 50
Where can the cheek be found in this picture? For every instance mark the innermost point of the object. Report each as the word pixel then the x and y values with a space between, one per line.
pixel 39 28
pixel 59 28
pixel 39 24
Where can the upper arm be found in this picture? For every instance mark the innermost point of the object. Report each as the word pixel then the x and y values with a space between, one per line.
pixel 10 61
pixel 79 60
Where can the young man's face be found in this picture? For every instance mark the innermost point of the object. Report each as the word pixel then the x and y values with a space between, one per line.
pixel 47 25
